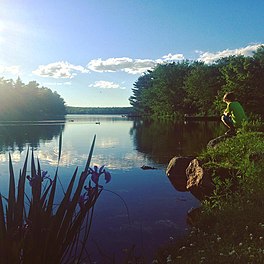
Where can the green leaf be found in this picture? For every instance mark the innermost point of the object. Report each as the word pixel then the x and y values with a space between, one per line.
pixel 63 205
pixel 36 186
pixel 52 194
pixel 3 244
pixel 33 167
pixel 11 196
pixel 60 147
pixel 67 221
pixel 70 208
pixel 20 195
pixel 2 221
pixel 90 155
pixel 57 233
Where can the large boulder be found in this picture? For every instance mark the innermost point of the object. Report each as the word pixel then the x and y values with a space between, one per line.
pixel 190 174
pixel 176 171
pixel 200 178
pixel 199 181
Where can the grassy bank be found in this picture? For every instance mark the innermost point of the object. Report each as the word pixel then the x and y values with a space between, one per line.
pixel 230 225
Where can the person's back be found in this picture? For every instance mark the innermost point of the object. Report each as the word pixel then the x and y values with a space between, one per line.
pixel 237 113
pixel 234 114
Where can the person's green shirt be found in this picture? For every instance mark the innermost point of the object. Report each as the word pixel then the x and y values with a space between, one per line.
pixel 236 112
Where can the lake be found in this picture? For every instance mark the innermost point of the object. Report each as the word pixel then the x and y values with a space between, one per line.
pixel 157 212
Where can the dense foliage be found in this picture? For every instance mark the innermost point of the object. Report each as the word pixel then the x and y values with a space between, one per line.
pixel 196 88
pixel 19 101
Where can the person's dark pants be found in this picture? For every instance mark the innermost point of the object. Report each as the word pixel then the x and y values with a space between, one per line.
pixel 228 121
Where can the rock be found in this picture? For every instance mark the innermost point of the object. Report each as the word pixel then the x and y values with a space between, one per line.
pixel 212 143
pixel 176 171
pixel 189 174
pixel 199 182
pixel 145 167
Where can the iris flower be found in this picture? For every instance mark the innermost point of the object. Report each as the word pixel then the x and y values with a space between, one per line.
pixel 44 176
pixel 90 190
pixel 97 172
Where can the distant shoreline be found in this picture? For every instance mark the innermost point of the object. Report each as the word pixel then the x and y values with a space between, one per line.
pixel 99 110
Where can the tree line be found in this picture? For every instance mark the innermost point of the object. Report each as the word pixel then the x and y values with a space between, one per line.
pixel 99 110
pixel 197 88
pixel 19 101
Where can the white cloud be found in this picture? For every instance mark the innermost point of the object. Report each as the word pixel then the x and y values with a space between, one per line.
pixel 140 65
pixel 209 57
pixel 64 69
pixel 59 69
pixel 15 70
pixel 173 57
pixel 131 66
pixel 125 64
pixel 110 65
pixel 105 85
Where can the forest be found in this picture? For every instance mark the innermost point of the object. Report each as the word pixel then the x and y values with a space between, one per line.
pixel 196 88
pixel 99 110
pixel 19 101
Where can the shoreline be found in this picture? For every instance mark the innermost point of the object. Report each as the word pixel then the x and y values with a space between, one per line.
pixel 229 226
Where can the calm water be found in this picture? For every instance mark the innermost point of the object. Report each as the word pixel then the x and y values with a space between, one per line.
pixel 157 211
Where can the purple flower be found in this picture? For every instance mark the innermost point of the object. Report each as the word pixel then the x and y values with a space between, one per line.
pixel 82 199
pixel 107 176
pixel 97 172
pixel 91 191
pixel 44 176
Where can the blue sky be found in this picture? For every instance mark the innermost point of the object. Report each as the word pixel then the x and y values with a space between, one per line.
pixel 92 51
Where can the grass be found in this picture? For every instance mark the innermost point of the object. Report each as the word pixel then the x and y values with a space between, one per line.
pixel 230 225
pixel 33 229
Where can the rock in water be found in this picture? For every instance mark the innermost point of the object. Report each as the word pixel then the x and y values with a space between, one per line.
pixel 199 182
pixel 176 171
pixel 145 167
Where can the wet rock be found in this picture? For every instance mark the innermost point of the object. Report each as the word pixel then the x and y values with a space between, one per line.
pixel 145 167
pixel 200 178
pixel 176 171
pixel 190 174
pixel 214 142
pixel 199 181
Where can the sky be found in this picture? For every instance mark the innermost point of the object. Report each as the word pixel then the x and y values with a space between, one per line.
pixel 91 52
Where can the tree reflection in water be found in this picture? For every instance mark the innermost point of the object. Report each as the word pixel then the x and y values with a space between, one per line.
pixel 18 135
pixel 162 140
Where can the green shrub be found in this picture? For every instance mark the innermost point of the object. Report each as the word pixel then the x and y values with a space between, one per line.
pixel 230 226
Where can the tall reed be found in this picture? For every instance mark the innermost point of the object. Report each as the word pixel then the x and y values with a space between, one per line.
pixel 33 229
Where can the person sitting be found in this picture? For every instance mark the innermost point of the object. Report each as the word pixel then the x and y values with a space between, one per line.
pixel 234 114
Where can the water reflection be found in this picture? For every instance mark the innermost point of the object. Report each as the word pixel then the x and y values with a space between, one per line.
pixel 155 141
pixel 16 136
pixel 157 211
pixel 161 141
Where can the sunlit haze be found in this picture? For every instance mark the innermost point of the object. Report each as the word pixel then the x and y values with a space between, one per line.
pixel 92 51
